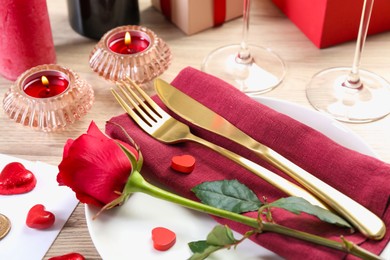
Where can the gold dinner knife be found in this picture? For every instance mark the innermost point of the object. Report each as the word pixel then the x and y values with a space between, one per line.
pixel 360 217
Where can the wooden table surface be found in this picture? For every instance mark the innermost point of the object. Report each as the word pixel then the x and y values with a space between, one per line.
pixel 269 28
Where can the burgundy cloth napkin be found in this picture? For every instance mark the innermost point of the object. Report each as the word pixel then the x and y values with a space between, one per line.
pixel 361 177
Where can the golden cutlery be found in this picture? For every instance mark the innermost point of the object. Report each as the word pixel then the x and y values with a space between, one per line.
pixel 160 125
pixel 364 220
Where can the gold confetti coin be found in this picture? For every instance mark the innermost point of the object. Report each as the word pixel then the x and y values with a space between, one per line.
pixel 5 226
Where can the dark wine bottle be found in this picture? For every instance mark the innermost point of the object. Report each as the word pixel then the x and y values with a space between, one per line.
pixel 93 18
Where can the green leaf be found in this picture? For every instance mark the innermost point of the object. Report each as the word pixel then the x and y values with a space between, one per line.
pixel 198 246
pixel 220 237
pixel 207 251
pixel 297 205
pixel 228 195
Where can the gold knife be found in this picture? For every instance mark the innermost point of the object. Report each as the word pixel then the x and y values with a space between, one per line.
pixel 181 104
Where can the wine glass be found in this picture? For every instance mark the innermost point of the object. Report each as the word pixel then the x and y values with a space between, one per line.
pixel 351 94
pixel 252 69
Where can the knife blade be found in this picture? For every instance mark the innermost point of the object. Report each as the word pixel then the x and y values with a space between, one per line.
pixel 191 110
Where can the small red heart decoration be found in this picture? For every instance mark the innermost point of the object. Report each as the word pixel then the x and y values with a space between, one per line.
pixel 39 218
pixel 15 179
pixel 183 163
pixel 163 238
pixel 70 256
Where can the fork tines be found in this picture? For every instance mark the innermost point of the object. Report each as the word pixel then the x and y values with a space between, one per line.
pixel 137 103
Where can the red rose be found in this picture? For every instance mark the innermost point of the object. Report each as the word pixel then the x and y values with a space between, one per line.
pixel 95 167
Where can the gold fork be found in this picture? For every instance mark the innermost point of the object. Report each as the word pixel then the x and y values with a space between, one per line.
pixel 160 125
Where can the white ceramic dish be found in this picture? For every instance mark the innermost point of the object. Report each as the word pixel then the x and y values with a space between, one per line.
pixel 125 232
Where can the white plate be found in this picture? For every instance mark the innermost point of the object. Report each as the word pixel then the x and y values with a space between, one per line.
pixel 125 232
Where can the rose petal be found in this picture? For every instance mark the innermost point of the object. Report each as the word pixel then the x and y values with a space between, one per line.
pixel 93 130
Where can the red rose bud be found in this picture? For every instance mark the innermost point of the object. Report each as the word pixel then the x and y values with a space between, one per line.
pixel 94 156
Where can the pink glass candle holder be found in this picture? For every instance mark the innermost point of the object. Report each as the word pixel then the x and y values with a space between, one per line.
pixel 48 98
pixel 142 58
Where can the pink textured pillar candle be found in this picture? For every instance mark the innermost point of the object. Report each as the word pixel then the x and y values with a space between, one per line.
pixel 26 39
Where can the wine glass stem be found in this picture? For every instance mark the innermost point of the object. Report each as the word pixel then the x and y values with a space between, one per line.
pixel 354 77
pixel 244 55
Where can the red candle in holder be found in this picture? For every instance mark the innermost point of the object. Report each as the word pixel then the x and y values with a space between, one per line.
pixel 130 43
pixel 45 86
pixel 48 97
pixel 130 51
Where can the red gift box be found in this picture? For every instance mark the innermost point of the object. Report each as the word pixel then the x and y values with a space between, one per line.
pixel 330 22
pixel 193 16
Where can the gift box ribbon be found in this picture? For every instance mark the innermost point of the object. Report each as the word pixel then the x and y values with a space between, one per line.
pixel 219 10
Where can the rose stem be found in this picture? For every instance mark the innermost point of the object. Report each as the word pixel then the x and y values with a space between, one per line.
pixel 137 183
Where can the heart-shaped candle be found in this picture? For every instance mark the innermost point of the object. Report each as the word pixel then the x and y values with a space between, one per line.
pixel 163 238
pixel 16 179
pixel 39 218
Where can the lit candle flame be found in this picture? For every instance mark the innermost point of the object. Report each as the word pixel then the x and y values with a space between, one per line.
pixel 127 38
pixel 45 81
